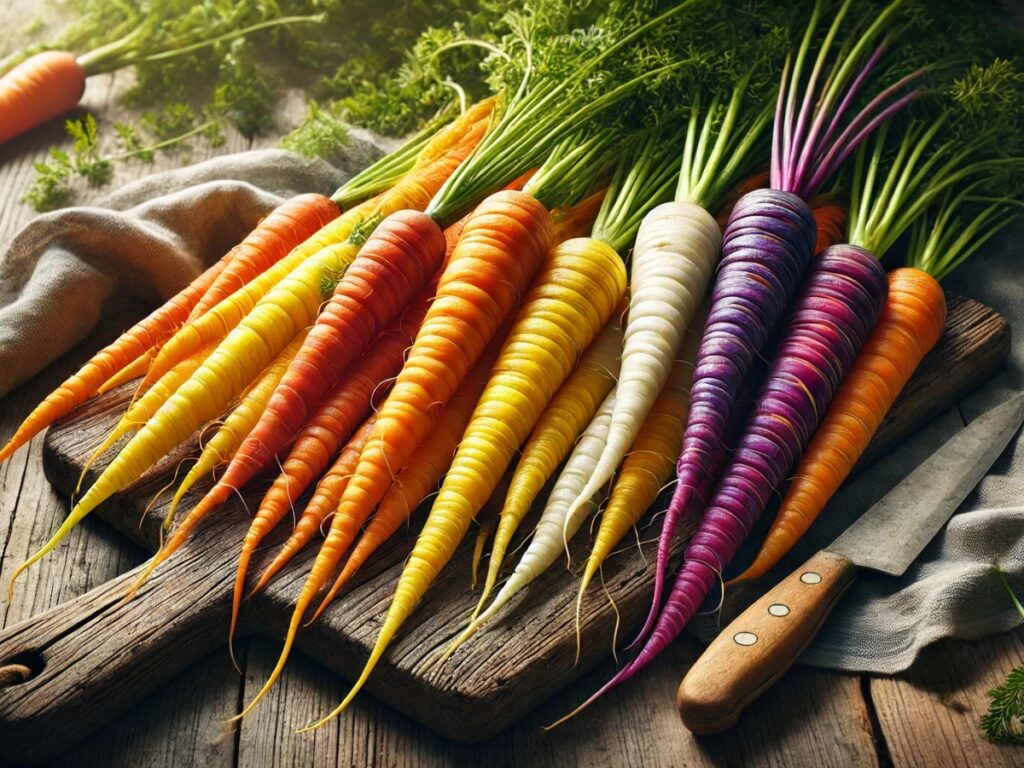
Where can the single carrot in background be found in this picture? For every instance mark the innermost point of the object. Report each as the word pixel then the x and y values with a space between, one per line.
pixel 50 83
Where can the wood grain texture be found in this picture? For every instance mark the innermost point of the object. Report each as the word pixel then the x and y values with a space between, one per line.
pixel 525 657
pixel 930 714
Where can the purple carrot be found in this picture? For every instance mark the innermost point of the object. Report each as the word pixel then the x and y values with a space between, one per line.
pixel 838 306
pixel 766 248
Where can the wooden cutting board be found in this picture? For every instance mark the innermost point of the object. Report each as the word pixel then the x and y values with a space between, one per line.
pixel 73 668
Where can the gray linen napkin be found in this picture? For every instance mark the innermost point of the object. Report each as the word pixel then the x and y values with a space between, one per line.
pixel 150 238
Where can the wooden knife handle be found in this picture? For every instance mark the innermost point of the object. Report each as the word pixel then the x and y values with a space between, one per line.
pixel 76 666
pixel 756 649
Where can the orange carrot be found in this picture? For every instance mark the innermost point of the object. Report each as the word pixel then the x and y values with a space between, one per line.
pixel 128 347
pixel 285 227
pixel 38 89
pixel 830 217
pixel 321 505
pixel 422 472
pixel 911 323
pixel 502 246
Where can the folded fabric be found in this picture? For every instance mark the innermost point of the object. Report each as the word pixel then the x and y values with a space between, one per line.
pixel 150 238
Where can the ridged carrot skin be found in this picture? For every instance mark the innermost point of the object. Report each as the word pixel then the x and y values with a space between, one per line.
pixel 295 283
pixel 575 294
pixel 288 225
pixel 143 408
pixel 562 422
pixel 558 523
pixel 225 441
pixel 129 346
pixel 677 248
pixel 838 305
pixel 322 504
pixel 502 245
pixel 422 473
pixel 650 463
pixel 221 319
pixel 332 424
pixel 40 88
pixel 766 248
pixel 398 259
pixel 255 338
pixel 830 220
pixel 911 323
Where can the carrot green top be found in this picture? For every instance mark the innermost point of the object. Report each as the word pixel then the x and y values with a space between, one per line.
pixel 953 178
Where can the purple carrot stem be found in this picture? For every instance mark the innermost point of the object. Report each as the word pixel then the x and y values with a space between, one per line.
pixel 775 178
pixel 812 146
pixel 838 153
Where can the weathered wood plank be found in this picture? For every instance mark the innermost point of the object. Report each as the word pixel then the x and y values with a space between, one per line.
pixel 811 718
pixel 929 715
pixel 525 657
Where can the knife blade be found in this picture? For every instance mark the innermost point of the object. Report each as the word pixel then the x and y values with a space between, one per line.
pixel 757 648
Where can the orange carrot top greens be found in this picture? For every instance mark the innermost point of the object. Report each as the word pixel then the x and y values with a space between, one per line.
pixel 954 183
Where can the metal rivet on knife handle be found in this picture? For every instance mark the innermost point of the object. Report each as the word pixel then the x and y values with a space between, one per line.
pixel 745 638
pixel 810 577
pixel 778 609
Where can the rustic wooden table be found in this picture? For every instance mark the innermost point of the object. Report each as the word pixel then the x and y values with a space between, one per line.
pixel 928 716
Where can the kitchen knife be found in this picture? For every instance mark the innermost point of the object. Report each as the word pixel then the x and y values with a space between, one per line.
pixel 763 642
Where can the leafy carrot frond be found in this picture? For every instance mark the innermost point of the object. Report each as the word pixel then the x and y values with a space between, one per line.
pixel 567 81
pixel 814 131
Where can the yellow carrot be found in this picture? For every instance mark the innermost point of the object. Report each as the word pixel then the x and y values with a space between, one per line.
pixel 572 298
pixel 222 446
pixel 559 426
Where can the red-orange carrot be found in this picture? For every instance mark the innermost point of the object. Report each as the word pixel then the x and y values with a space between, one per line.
pixel 911 323
pixel 129 346
pixel 400 257
pixel 285 227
